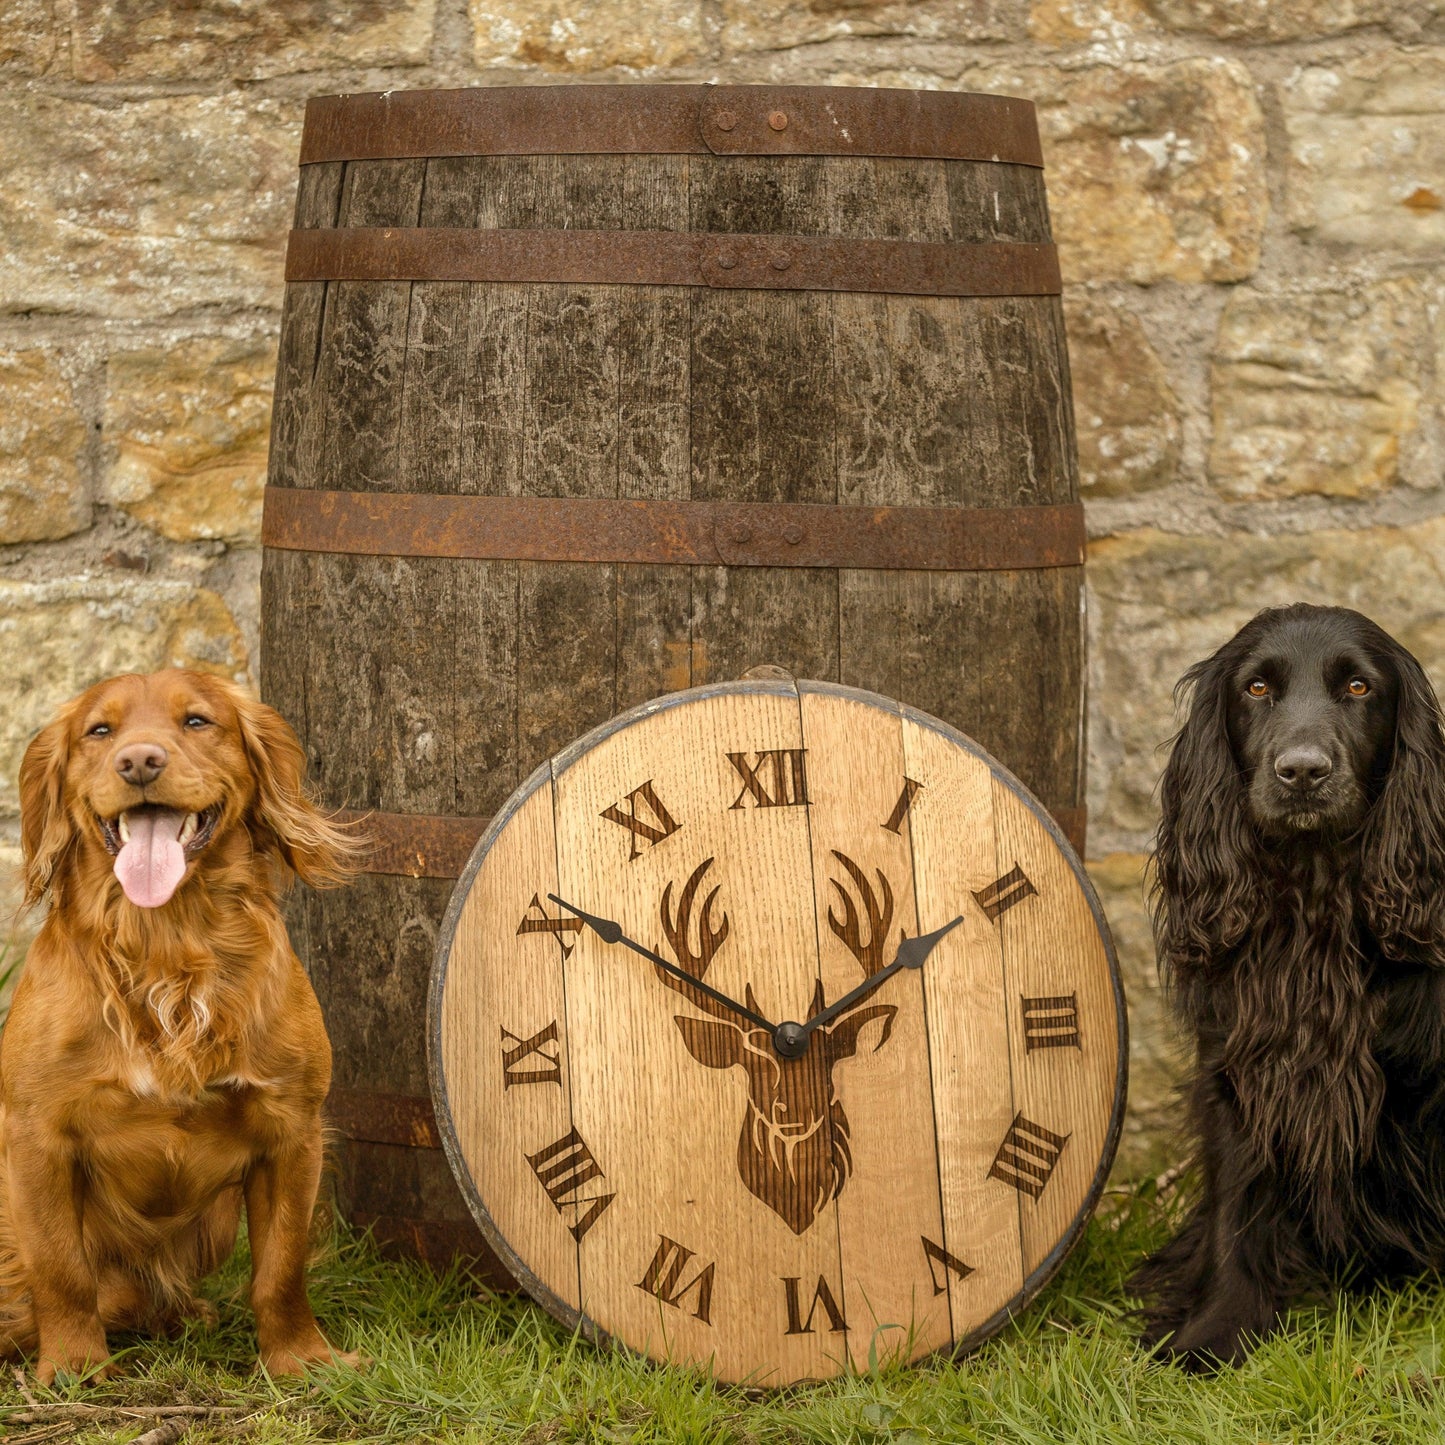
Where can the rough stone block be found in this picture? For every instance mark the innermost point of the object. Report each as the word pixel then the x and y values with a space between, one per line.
pixel 1155 172
pixel 1126 415
pixel 42 490
pixel 1317 393
pixel 57 638
pixel 1158 603
pixel 780 24
pixel 185 437
pixel 158 40
pixel 144 207
pixel 29 36
pixel 1273 20
pixel 1157 1055
pixel 1367 151
pixel 554 35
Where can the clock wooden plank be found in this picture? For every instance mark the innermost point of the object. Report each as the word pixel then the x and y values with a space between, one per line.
pixel 877 1055
pixel 952 826
pixel 506 978
pixel 1064 1085
pixel 667 1108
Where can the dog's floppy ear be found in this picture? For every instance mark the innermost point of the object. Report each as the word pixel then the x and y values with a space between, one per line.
pixel 1403 847
pixel 1204 878
pixel 317 848
pixel 46 827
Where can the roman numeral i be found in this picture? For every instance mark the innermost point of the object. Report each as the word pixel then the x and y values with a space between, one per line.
pixel 664 825
pixel 788 785
pixel 562 1169
pixel 664 1278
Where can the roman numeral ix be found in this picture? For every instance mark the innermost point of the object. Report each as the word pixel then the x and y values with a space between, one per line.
pixel 562 1169
pixel 1003 893
pixel 664 825
pixel 822 1295
pixel 664 1278
pixel 546 1068
pixel 555 926
pixel 1027 1156
pixel 786 788
pixel 1051 1023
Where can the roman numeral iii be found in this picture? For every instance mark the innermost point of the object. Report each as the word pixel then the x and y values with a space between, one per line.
pixel 1027 1156
pixel 1051 1022
pixel 664 1279
pixel 663 824
pixel 545 1068
pixel 778 779
pixel 562 1169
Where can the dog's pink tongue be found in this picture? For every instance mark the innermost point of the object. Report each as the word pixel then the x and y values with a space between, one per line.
pixel 151 864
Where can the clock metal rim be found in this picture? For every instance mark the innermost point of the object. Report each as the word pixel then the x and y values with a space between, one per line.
pixel 553 768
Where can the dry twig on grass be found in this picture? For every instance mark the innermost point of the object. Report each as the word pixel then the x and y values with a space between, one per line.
pixel 166 1433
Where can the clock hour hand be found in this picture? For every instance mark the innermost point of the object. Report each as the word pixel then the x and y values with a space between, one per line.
pixel 911 954
pixel 610 931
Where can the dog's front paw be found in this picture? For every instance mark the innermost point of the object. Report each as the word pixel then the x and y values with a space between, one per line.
pixel 294 1356
pixel 1204 1344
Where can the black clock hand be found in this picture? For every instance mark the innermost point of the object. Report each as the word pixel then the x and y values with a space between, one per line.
pixel 611 932
pixel 911 953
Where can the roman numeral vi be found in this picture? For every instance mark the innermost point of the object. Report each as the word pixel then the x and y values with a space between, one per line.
pixel 822 1295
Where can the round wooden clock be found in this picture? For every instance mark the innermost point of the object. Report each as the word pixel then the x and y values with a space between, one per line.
pixel 774 1027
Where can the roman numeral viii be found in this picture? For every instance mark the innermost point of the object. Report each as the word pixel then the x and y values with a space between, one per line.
pixel 663 824
pixel 562 1169
pixel 664 1278
pixel 785 784
pixel 1027 1156
pixel 545 1068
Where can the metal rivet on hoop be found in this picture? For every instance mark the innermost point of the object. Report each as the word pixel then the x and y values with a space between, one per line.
pixel 778 120
pixel 725 119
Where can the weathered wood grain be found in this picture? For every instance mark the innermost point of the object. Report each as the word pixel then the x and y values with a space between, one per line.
pixel 427 686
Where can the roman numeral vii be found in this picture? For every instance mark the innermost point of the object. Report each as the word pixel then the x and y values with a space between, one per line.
pixel 664 1278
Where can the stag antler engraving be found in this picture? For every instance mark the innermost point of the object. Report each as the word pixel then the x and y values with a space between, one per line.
pixel 793 1152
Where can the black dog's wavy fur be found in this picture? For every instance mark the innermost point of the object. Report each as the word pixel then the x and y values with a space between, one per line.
pixel 1311 972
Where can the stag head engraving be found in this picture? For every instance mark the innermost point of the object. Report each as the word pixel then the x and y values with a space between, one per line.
pixel 793 1152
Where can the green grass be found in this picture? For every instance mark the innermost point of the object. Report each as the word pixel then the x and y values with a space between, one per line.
pixel 451 1363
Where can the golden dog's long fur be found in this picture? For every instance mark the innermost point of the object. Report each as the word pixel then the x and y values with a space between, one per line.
pixel 160 1064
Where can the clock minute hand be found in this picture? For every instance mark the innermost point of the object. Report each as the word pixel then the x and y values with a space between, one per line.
pixel 911 954
pixel 610 931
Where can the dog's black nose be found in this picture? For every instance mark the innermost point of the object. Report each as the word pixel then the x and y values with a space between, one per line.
pixel 141 763
pixel 1303 768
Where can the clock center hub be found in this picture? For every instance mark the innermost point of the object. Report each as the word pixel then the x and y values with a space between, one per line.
pixel 790 1040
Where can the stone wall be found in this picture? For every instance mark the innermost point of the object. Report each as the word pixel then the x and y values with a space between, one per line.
pixel 1249 198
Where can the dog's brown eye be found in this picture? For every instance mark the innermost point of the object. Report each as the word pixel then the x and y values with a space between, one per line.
pixel 195 720
pixel 1358 687
pixel 100 730
pixel 1258 688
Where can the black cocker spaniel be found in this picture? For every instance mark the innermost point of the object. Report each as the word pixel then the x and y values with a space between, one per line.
pixel 1299 909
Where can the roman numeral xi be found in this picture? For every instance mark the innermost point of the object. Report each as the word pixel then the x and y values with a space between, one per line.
pixel 662 824
pixel 562 1169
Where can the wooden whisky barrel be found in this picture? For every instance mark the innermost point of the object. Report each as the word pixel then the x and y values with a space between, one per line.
pixel 588 394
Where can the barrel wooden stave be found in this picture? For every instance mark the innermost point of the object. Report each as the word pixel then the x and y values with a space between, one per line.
pixel 427 686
